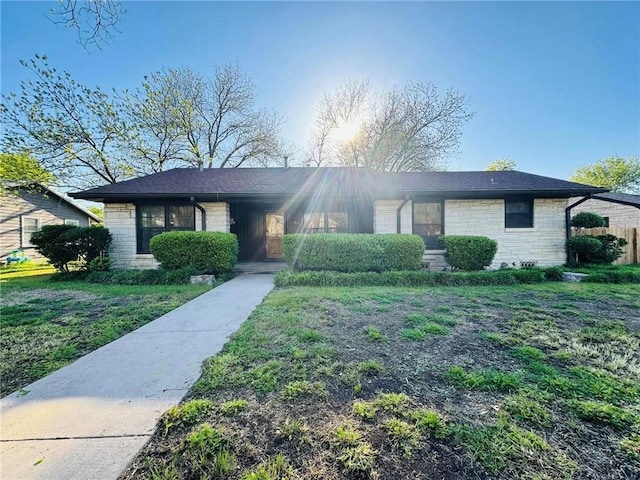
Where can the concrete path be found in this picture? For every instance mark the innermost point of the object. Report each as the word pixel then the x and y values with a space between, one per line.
pixel 89 419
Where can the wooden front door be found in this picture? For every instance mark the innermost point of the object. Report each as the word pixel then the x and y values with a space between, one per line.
pixel 274 227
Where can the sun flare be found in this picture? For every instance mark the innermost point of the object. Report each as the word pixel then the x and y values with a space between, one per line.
pixel 346 130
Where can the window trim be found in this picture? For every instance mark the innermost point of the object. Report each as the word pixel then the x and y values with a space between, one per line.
pixel 531 223
pixel 72 221
pixel 442 226
pixel 26 242
pixel 166 207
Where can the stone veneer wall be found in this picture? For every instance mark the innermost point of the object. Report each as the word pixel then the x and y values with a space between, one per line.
pixel 544 243
pixel 619 215
pixel 120 219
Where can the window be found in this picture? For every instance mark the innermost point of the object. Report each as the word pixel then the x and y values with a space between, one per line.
pixel 427 222
pixel 326 222
pixel 29 225
pixel 606 222
pixel 518 213
pixel 70 221
pixel 155 219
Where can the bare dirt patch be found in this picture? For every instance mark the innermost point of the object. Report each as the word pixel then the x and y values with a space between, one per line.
pixel 514 418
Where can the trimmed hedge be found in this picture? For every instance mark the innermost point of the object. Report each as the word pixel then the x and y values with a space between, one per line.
pixel 598 249
pixel 64 244
pixel 288 278
pixel 468 253
pixel 211 252
pixel 353 252
pixel 587 220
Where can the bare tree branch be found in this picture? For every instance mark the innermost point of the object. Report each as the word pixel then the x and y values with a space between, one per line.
pixel 412 128
pixel 94 20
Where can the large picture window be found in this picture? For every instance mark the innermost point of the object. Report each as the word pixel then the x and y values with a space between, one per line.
pixel 518 213
pixel 427 222
pixel 326 222
pixel 155 219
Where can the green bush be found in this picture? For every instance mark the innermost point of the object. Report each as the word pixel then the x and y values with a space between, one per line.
pixel 345 252
pixel 468 253
pixel 599 249
pixel 140 277
pixel 63 244
pixel 288 278
pixel 210 252
pixel 587 220
pixel 553 274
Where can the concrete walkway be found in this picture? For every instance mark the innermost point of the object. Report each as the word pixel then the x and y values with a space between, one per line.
pixel 89 419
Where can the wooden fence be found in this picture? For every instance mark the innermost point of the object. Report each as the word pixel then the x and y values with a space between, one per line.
pixel 630 234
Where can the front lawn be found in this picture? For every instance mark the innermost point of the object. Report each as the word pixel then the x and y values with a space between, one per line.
pixel 46 325
pixel 530 381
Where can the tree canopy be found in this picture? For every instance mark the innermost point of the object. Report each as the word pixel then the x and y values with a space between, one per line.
pixel 20 169
pixel 178 117
pixel 501 164
pixel 408 128
pixel 615 173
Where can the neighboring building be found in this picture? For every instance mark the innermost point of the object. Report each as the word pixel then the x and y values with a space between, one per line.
pixel 618 209
pixel 524 213
pixel 25 210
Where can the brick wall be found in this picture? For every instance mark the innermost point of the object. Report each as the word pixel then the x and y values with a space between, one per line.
pixel 120 219
pixel 619 215
pixel 544 243
pixel 385 219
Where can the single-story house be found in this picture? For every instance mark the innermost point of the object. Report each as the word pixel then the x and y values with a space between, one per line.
pixel 524 213
pixel 617 209
pixel 25 209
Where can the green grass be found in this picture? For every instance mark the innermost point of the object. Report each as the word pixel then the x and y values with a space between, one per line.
pixel 335 389
pixel 46 325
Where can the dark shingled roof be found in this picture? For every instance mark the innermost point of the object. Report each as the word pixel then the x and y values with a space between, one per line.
pixel 623 198
pixel 231 183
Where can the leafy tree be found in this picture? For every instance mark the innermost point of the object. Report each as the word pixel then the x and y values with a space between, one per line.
pixel 500 165
pixel 77 132
pixel 409 128
pixel 20 169
pixel 615 173
pixel 211 122
pixel 97 211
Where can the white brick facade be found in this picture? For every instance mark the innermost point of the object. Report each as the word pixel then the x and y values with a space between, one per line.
pixel 544 243
pixel 619 215
pixel 385 219
pixel 120 219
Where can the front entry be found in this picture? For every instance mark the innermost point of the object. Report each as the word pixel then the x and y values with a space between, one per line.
pixel 274 229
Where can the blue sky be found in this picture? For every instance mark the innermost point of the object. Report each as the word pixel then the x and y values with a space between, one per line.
pixel 553 85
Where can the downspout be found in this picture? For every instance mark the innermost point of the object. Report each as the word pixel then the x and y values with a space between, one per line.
pixel 399 214
pixel 203 214
pixel 567 219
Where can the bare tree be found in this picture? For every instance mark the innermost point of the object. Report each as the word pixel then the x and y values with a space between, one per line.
pixel 94 20
pixel 215 118
pixel 77 133
pixel 411 128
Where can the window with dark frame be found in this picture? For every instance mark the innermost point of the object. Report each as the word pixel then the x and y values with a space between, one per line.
pixel 518 213
pixel 326 222
pixel 155 219
pixel 428 222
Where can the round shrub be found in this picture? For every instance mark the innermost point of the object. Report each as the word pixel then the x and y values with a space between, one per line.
pixel 601 249
pixel 353 252
pixel 213 252
pixel 469 253
pixel 587 220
